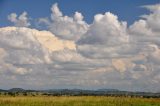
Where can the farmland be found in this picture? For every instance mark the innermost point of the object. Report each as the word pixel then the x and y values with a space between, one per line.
pixel 77 101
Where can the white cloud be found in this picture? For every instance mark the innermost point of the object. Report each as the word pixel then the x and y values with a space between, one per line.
pixel 153 19
pixel 105 53
pixel 78 17
pixel 29 55
pixel 150 23
pixel 55 11
pixel 145 33
pixel 28 47
pixel 20 21
pixel 133 51
pixel 105 37
pixel 105 29
pixel 65 27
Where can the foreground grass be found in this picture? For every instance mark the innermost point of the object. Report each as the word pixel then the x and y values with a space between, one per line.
pixel 77 101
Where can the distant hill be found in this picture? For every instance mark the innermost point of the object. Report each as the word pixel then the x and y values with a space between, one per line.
pixel 82 92
pixel 1 90
pixel 108 90
pixel 16 90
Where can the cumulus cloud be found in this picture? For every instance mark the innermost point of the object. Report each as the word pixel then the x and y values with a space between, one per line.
pixel 37 57
pixel 20 21
pixel 132 51
pixel 105 53
pixel 145 33
pixel 153 19
pixel 105 29
pixel 65 27
pixel 106 37
pixel 27 52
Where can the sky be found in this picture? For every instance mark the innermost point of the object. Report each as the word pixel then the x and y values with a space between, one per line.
pixel 126 10
pixel 51 44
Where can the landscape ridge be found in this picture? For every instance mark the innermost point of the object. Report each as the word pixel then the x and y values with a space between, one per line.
pixel 79 92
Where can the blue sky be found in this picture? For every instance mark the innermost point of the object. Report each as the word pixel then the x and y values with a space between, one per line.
pixel 127 10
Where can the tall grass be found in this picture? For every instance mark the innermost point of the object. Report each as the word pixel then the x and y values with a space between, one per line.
pixel 77 101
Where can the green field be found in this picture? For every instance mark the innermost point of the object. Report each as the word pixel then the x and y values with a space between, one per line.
pixel 77 101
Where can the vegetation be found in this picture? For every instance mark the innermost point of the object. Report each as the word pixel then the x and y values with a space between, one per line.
pixel 76 101
pixel 79 92
pixel 77 97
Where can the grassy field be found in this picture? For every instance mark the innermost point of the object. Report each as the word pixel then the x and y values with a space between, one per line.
pixel 77 101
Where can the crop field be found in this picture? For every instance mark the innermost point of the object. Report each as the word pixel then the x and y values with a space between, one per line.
pixel 77 101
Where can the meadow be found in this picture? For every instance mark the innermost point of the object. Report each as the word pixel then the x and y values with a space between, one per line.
pixel 77 101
